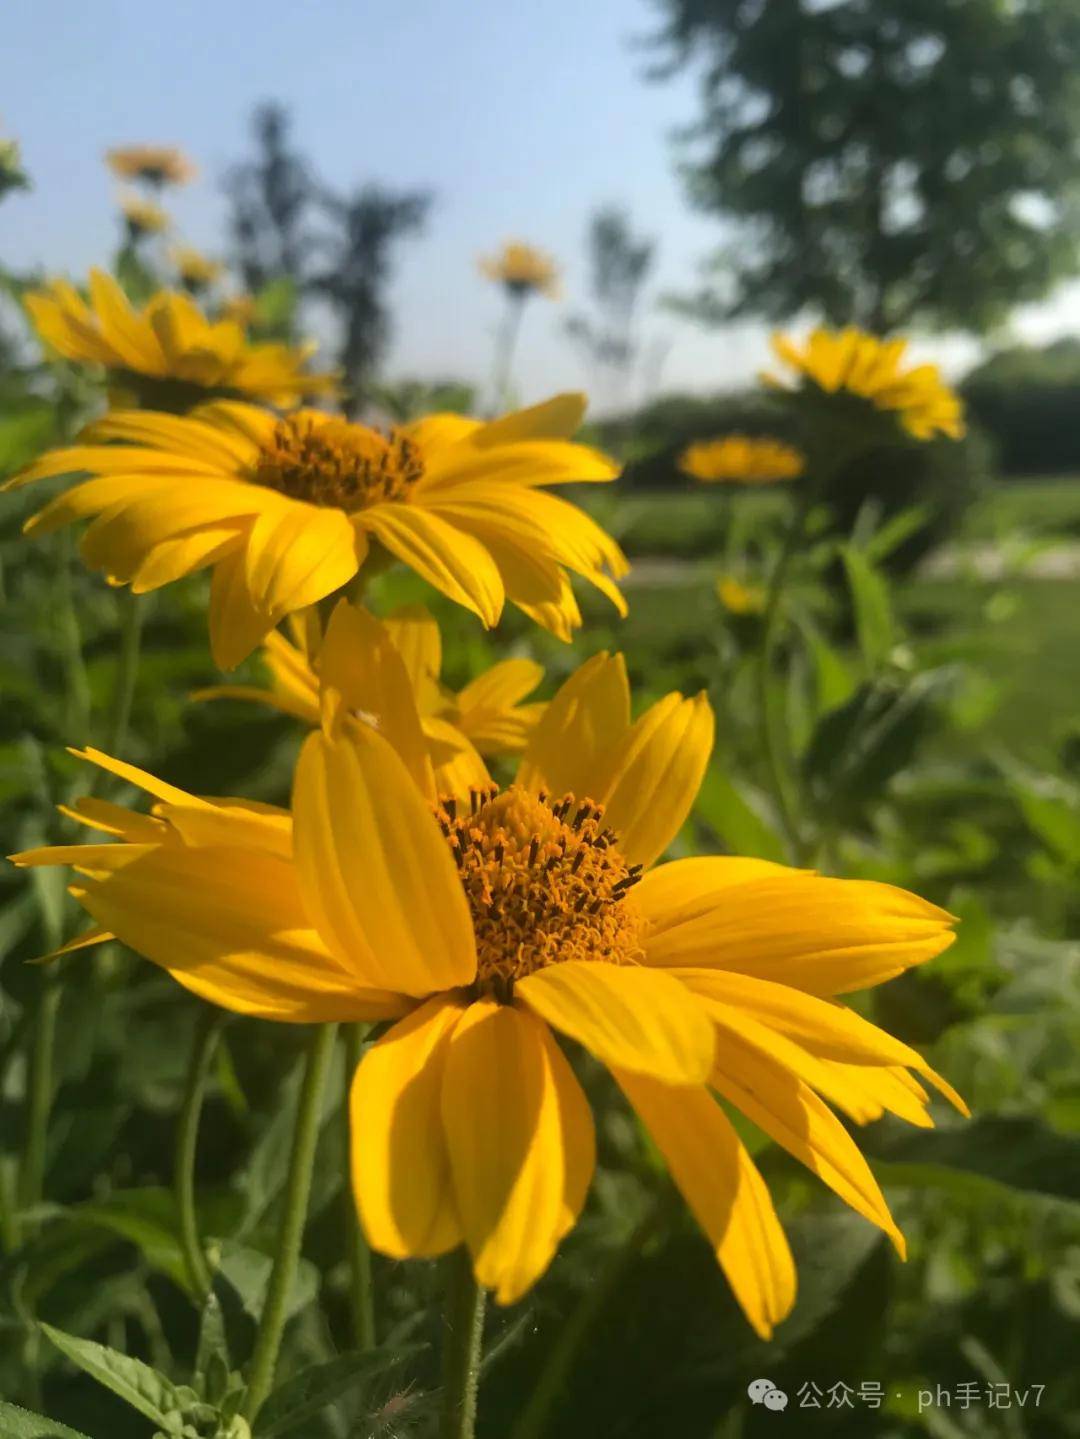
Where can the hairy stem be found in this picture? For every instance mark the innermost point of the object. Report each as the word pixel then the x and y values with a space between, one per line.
pixel 361 1288
pixel 463 1329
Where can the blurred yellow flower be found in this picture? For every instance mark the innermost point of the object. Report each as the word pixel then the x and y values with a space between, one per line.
pixel 143 216
pixel 153 164
pixel 739 598
pixel 196 270
pixel 741 459
pixel 240 309
pixel 523 270
pixel 485 929
pixel 167 353
pixel 861 364
pixel 486 718
pixel 285 510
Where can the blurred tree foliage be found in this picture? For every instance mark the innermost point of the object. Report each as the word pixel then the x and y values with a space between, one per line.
pixel 291 229
pixel 619 266
pixel 883 162
pixel 1027 400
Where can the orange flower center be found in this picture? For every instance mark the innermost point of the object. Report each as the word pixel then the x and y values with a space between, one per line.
pixel 545 882
pixel 337 463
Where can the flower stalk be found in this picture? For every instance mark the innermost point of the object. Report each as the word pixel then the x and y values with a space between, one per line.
pixel 361 1287
pixel 463 1330
pixel 207 1033
pixel 294 1215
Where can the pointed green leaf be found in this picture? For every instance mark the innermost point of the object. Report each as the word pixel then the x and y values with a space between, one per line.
pixel 873 610
pixel 130 1379
pixel 16 1423
pixel 310 1391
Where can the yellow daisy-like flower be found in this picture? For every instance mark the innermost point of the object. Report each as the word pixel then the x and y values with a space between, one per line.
pixel 861 364
pixel 196 270
pixel 153 164
pixel 240 309
pixel 742 459
pixel 485 719
pixel 167 354
pixel 739 598
pixel 285 509
pixel 487 929
pixel 523 270
pixel 143 216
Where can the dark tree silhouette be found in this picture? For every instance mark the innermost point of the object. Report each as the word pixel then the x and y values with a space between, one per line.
pixel 883 162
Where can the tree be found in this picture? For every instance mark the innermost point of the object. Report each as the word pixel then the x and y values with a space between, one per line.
pixel 270 198
pixel 619 265
pixel 883 162
pixel 295 235
pixel 368 225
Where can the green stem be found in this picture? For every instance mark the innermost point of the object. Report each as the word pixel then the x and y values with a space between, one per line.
pixel 361 1288
pixel 294 1214
pixel 208 1029
pixel 127 671
pixel 773 725
pixel 505 345
pixel 533 1421
pixel 39 1091
pixel 463 1329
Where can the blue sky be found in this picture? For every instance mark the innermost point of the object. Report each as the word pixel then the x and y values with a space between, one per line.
pixel 522 116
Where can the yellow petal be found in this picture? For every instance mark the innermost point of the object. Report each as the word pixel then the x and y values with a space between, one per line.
pixel 400 1165
pixel 827 1030
pixel 455 563
pixel 173 559
pixel 377 876
pixel 725 1192
pixel 571 746
pixel 228 925
pixel 415 634
pixel 236 626
pixel 686 889
pixel 501 686
pixel 824 936
pixel 360 661
pixel 519 1141
pixel 625 1017
pixel 655 774
pixel 297 555
pixel 790 1113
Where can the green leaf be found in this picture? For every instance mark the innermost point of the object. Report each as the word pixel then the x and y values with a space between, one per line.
pixel 873 610
pixel 1054 815
pixel 212 1351
pixel 310 1391
pixel 130 1379
pixel 855 750
pixel 892 534
pixel 833 680
pixel 247 1272
pixel 742 829
pixel 1018 1153
pixel 16 1423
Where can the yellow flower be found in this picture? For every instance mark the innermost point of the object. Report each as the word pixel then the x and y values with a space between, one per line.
pixel 240 309
pixel 863 365
pixel 143 216
pixel 285 510
pixel 523 270
pixel 154 164
pixel 195 269
pixel 167 353
pixel 486 929
pixel 738 598
pixel 742 459
pixel 486 718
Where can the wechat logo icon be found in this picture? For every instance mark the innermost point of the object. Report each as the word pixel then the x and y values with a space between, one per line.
pixel 764 1391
